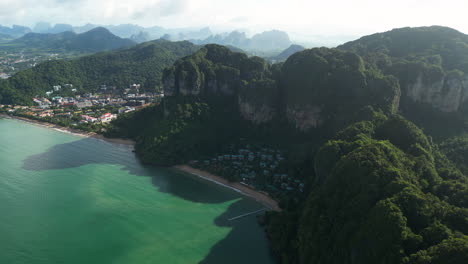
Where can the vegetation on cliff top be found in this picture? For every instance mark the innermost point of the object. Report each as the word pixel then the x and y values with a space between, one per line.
pixel 383 194
pixel 214 70
pixel 337 83
pixel 437 45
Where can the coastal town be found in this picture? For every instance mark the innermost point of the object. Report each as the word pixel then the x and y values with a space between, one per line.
pixel 92 112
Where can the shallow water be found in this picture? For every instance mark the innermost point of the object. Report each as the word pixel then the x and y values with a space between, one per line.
pixel 68 199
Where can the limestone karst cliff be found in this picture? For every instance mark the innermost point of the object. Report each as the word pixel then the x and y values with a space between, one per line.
pixel 429 62
pixel 216 71
pixel 311 88
pixel 448 93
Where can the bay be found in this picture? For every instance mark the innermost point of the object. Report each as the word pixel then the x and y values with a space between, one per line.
pixel 70 199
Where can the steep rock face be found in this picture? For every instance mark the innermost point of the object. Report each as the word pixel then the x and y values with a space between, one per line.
pixel 255 113
pixel 305 117
pixel 217 71
pixel 324 84
pixel 169 83
pixel 429 62
pixel 259 100
pixel 311 88
pixel 446 94
pixel 205 73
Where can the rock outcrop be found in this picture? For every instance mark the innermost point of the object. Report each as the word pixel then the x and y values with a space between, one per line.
pixel 217 71
pixel 324 84
pixel 305 117
pixel 256 113
pixel 447 94
pixel 311 88
pixel 430 64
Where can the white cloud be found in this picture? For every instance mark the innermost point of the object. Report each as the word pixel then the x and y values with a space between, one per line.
pixel 305 17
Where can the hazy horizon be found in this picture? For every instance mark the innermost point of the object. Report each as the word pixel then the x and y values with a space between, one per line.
pixel 304 21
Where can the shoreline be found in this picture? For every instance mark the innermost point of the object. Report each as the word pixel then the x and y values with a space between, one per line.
pixel 258 196
pixel 72 131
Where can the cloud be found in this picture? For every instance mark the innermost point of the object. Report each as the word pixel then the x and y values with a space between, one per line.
pixel 159 9
pixel 240 19
pixel 303 16
pixel 83 11
pixel 172 7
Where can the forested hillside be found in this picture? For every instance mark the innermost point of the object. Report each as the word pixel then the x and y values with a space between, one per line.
pixel 382 194
pixel 95 40
pixel 142 64
pixel 381 191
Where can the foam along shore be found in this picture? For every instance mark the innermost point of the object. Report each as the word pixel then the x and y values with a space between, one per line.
pixel 260 197
pixel 69 130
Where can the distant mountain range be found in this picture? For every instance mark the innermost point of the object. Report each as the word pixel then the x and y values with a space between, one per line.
pixel 273 40
pixel 95 40
pixel 127 31
pixel 43 27
pixel 141 37
pixel 265 42
pixel 14 31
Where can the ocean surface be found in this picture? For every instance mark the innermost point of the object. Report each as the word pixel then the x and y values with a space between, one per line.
pixel 69 199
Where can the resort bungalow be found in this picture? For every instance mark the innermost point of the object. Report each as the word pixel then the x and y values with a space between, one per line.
pixel 88 118
pixel 107 117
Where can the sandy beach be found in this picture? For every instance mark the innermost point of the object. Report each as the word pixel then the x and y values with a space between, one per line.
pixel 75 132
pixel 260 197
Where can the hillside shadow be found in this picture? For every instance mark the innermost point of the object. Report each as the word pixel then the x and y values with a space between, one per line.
pixel 88 151
pixel 244 244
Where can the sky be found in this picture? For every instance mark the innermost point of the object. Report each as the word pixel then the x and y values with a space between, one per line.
pixel 301 18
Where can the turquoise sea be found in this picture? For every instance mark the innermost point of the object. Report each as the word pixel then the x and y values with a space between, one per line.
pixel 69 199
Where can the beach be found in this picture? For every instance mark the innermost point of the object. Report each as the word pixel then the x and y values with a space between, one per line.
pixel 64 199
pixel 76 132
pixel 260 197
